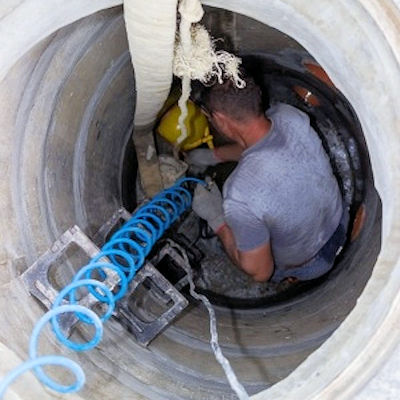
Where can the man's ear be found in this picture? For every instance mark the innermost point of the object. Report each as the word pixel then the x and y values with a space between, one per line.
pixel 223 121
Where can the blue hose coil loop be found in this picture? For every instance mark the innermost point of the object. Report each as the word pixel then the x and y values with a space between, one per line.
pixel 126 250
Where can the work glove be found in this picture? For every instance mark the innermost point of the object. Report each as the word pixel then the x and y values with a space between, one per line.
pixel 202 157
pixel 207 204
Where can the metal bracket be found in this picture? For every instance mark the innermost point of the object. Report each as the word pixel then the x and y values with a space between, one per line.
pixel 164 292
pixel 100 236
pixel 36 277
pixel 144 331
pixel 36 280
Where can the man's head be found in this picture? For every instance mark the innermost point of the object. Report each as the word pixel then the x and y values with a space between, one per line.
pixel 230 109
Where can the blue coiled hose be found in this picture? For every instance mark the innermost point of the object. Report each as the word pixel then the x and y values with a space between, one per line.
pixel 127 250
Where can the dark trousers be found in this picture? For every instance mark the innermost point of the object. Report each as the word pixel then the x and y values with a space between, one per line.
pixel 323 261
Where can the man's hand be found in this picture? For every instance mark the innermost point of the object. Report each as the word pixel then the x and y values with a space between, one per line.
pixel 202 157
pixel 207 204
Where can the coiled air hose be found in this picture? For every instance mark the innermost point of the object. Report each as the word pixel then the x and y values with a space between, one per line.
pixel 127 250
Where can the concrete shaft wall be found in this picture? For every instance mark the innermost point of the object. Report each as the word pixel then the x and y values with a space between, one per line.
pixel 358 44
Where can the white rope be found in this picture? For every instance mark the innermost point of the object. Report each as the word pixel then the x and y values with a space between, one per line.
pixel 202 61
pixel 195 57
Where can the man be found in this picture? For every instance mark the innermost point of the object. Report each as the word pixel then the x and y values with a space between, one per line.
pixel 282 214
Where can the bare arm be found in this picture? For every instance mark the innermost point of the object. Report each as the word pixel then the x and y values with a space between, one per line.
pixel 228 152
pixel 258 262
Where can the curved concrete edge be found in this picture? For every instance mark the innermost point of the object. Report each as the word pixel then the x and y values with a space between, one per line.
pixel 386 383
pixel 28 383
pixel 356 42
pixel 389 25
pixel 153 71
pixel 29 21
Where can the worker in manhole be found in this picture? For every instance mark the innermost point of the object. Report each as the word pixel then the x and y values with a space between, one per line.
pixel 281 216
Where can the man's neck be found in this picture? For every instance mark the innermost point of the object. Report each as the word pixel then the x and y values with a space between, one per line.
pixel 255 130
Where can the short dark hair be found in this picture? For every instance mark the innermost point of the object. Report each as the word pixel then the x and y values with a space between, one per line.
pixel 240 104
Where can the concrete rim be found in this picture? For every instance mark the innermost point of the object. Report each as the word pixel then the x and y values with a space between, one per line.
pixel 358 39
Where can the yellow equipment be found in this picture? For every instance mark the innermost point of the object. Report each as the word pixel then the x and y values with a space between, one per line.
pixel 196 124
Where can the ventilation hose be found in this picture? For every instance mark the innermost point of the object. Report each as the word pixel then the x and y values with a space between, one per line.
pixel 126 250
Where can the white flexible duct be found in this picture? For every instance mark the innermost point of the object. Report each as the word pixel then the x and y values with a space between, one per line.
pixel 151 27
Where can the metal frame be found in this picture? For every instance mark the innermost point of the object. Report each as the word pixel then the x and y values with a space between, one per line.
pixel 36 281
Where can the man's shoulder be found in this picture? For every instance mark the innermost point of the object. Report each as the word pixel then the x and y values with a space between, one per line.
pixel 286 112
pixel 244 181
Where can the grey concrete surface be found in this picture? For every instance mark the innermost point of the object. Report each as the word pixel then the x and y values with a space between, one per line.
pixel 385 384
pixel 356 42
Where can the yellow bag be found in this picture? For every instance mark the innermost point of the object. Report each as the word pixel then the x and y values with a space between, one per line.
pixel 196 124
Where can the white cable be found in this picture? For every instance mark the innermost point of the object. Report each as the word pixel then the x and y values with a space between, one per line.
pixel 234 383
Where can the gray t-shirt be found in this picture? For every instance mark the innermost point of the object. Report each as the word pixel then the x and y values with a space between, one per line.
pixel 283 191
